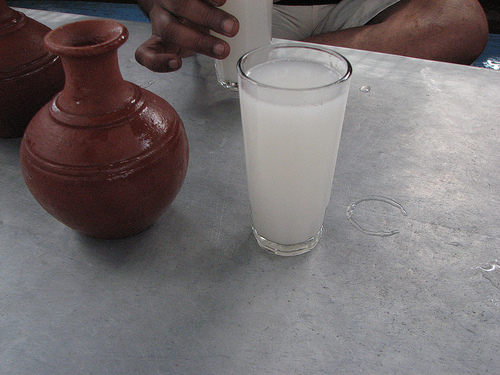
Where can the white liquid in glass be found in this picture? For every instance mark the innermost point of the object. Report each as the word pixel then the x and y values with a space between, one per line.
pixel 254 17
pixel 291 150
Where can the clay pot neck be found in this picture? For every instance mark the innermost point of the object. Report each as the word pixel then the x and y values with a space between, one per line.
pixel 88 50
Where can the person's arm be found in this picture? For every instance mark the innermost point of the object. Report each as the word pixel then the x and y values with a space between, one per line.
pixel 445 30
pixel 181 28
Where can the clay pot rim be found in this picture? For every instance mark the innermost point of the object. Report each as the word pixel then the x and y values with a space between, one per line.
pixel 86 38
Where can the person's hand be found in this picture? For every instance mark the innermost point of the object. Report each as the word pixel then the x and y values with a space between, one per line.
pixel 180 28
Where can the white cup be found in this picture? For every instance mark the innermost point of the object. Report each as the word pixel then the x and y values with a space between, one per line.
pixel 255 19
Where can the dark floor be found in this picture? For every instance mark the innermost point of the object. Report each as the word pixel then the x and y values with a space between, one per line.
pixel 128 11
pixel 492 10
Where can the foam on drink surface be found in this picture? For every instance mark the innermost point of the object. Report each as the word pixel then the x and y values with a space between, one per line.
pixel 293 74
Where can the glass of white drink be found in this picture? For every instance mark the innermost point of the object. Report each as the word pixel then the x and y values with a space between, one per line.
pixel 293 98
pixel 255 18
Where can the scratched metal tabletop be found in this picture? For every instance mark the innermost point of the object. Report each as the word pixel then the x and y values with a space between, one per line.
pixel 194 294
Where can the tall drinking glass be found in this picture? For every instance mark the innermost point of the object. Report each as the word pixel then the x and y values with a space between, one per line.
pixel 293 98
pixel 255 18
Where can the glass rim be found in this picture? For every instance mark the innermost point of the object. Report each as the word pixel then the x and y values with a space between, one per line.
pixel 309 46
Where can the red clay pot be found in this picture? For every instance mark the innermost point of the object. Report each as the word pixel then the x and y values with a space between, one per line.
pixel 29 75
pixel 104 157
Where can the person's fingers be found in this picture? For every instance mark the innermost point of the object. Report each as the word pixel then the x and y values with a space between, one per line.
pixel 181 28
pixel 202 29
pixel 217 3
pixel 176 31
pixel 158 56
pixel 202 13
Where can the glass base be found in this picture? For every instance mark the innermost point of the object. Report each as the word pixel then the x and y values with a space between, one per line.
pixel 287 250
pixel 233 86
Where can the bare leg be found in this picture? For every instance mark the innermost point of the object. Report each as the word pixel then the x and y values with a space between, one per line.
pixel 446 30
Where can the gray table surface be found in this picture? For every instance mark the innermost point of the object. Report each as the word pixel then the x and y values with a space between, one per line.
pixel 195 295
